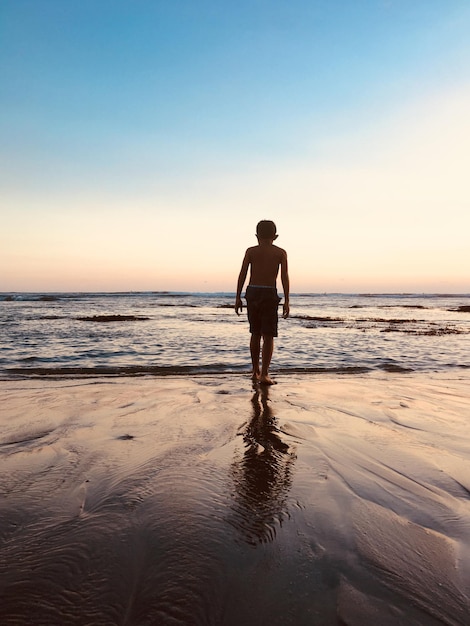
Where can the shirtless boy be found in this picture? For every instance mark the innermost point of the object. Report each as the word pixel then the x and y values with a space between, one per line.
pixel 262 300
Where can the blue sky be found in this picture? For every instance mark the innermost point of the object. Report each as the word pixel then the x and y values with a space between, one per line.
pixel 141 142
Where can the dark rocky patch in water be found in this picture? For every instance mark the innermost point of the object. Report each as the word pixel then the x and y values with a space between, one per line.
pixel 169 304
pixel 317 318
pixel 436 332
pixel 112 318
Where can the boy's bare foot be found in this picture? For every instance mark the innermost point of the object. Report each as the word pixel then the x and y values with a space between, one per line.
pixel 266 380
pixel 255 377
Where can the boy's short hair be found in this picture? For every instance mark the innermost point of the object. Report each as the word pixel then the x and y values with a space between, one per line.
pixel 266 229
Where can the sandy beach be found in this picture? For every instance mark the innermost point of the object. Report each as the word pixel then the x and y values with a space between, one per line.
pixel 176 500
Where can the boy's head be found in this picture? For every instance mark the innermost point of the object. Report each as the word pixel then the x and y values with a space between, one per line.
pixel 266 229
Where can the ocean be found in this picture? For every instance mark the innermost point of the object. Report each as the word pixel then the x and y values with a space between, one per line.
pixel 163 333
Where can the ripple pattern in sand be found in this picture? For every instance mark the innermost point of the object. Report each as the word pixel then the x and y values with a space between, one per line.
pixel 320 501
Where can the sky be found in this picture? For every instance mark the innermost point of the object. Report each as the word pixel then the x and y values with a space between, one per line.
pixel 142 140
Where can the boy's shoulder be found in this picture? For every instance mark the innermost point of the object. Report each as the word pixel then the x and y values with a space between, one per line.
pixel 272 249
pixel 280 250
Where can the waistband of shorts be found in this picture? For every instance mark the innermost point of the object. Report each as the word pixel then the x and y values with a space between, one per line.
pixel 261 287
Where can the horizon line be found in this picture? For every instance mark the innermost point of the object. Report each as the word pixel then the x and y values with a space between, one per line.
pixel 220 292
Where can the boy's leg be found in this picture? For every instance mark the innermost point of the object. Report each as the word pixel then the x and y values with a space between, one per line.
pixel 267 353
pixel 255 343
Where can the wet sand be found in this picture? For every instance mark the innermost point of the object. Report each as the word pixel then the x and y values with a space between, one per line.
pixel 322 500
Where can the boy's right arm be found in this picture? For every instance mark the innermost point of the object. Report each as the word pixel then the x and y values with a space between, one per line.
pixel 285 285
pixel 241 282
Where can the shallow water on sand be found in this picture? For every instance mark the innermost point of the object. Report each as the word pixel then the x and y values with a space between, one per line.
pixel 154 333
pixel 179 501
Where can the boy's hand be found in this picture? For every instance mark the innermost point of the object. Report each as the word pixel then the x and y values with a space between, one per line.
pixel 238 306
pixel 285 310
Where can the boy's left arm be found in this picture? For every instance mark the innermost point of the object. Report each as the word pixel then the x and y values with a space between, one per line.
pixel 241 282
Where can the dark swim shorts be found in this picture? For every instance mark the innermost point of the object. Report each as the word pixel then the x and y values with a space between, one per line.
pixel 262 303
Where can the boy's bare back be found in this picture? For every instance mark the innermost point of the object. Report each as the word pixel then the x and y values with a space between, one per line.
pixel 265 260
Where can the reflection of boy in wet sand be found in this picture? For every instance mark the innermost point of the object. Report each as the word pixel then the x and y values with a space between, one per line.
pixel 262 300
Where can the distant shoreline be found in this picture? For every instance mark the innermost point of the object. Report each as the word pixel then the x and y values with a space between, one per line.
pixel 303 294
